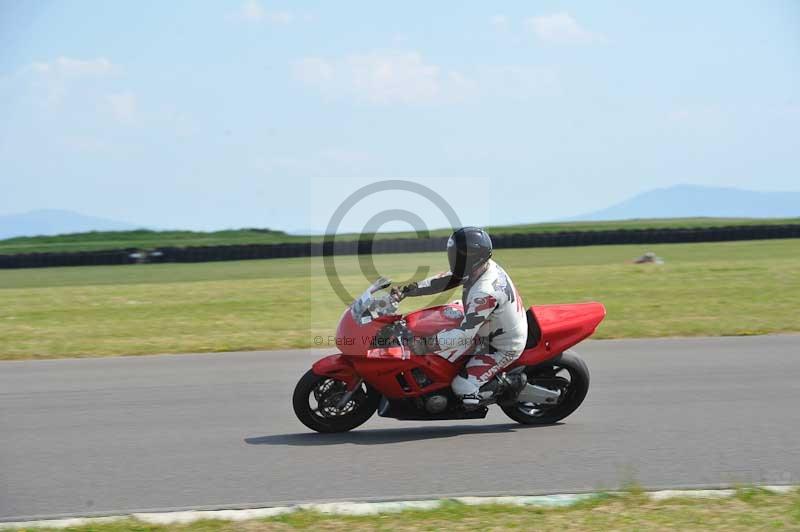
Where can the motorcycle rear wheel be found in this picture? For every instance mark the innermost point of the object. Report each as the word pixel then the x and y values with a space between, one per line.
pixel 324 415
pixel 553 375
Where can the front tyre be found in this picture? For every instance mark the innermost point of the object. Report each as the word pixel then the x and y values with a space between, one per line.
pixel 316 403
pixel 566 373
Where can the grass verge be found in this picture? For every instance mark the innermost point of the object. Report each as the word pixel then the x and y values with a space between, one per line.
pixel 750 509
pixel 731 288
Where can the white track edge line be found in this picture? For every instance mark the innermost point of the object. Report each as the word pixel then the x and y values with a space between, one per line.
pixel 365 508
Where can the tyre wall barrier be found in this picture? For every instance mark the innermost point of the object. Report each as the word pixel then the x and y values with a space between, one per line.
pixel 81 258
pixel 398 245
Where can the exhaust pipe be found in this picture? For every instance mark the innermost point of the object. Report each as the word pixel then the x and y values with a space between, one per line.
pixel 538 395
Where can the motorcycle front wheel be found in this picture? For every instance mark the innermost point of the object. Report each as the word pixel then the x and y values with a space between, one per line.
pixel 316 403
pixel 566 373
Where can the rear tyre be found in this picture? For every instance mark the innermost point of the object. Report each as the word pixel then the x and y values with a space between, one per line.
pixel 316 399
pixel 568 374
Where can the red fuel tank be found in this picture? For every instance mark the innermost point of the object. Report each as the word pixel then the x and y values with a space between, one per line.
pixel 429 321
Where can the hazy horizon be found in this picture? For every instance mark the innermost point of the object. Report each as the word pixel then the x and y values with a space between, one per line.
pixel 680 201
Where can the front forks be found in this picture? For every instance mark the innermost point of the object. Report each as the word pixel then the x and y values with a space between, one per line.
pixel 349 394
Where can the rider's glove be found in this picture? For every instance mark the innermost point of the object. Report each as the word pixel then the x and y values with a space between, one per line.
pixel 400 293
pixel 409 289
pixel 397 294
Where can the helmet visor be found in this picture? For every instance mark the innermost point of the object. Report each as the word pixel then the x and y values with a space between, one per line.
pixel 456 258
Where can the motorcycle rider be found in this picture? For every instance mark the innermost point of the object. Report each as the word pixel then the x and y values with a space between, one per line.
pixel 494 329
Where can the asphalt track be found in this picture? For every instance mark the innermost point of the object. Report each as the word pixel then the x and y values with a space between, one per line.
pixel 115 435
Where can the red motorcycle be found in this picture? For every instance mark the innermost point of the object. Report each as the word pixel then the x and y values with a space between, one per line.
pixel 376 370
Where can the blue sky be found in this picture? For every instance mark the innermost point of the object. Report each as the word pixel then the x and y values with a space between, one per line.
pixel 211 115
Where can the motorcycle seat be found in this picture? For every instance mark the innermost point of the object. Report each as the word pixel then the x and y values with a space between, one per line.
pixel 534 331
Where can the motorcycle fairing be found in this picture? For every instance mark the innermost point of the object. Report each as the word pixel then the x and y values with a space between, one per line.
pixel 561 327
pixel 393 377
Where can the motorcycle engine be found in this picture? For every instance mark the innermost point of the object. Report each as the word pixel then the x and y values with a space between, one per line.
pixel 436 404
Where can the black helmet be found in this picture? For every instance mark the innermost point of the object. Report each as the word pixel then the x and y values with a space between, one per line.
pixel 468 249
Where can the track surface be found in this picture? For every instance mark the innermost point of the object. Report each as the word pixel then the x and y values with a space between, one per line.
pixel 115 435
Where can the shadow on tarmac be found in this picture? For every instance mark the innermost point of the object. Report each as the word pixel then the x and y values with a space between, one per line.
pixel 383 436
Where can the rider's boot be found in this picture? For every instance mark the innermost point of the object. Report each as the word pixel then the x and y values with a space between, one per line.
pixel 507 384
pixel 468 390
pixel 514 383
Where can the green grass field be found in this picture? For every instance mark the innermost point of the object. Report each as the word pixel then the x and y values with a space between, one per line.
pixel 732 288
pixel 750 509
pixel 144 239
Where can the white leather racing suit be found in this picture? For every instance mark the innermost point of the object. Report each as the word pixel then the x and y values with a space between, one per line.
pixel 494 324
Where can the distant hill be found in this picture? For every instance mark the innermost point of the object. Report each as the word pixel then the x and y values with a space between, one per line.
pixel 678 206
pixel 55 222
pixel 683 201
